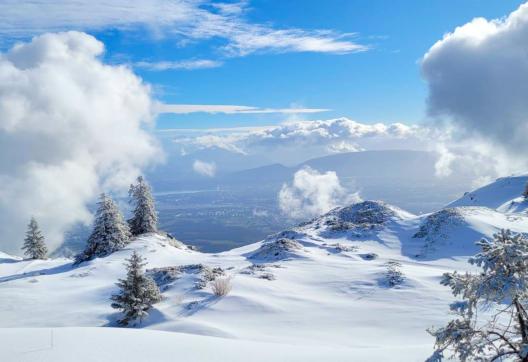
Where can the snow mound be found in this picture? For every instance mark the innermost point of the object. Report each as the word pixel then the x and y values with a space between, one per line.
pixel 6 257
pixel 439 223
pixel 286 234
pixel 497 195
pixel 438 226
pixel 359 218
pixel 280 249
pixel 454 231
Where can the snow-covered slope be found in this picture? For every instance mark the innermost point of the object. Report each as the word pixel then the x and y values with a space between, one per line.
pixel 504 195
pixel 324 288
pixel 452 231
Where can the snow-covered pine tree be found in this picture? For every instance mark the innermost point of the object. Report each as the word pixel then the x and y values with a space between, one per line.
pixel 145 218
pixel 525 192
pixel 34 246
pixel 501 289
pixel 138 292
pixel 110 231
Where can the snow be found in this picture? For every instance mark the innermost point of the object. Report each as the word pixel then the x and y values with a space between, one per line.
pixel 497 195
pixel 326 297
pixel 101 344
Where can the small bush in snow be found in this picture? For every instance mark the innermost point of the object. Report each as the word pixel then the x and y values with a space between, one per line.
pixel 164 276
pixel 138 292
pixel 34 246
pixel 394 276
pixel 340 248
pixel 369 256
pixel 501 288
pixel 267 276
pixel 221 286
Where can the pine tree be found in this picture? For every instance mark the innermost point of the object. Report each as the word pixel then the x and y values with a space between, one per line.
pixel 110 232
pixel 145 219
pixel 138 292
pixel 525 192
pixel 501 289
pixel 34 245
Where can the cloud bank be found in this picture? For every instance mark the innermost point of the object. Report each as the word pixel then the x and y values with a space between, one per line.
pixel 478 80
pixel 296 141
pixel 184 20
pixel 70 126
pixel 313 193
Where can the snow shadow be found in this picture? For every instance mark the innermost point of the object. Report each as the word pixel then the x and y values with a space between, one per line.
pixel 35 273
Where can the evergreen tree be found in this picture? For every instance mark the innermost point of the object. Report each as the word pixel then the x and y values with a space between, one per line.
pixel 145 219
pixel 500 289
pixel 525 192
pixel 110 231
pixel 138 292
pixel 34 245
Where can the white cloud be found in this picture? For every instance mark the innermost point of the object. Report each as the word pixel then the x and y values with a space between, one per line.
pixel 70 126
pixel 204 168
pixel 179 64
pixel 312 193
pixel 478 79
pixel 230 109
pixel 186 20
pixel 293 142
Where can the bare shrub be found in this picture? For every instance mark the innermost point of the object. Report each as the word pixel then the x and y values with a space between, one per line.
pixel 221 286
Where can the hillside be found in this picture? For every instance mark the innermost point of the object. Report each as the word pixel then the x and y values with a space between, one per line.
pixel 503 195
pixel 327 287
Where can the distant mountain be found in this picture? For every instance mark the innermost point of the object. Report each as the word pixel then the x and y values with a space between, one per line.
pixel 401 164
pixel 178 172
pixel 402 177
pixel 265 174
pixel 417 165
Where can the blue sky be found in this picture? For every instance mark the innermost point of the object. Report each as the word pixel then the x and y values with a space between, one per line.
pixel 381 84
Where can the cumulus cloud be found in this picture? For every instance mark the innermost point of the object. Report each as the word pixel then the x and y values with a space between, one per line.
pixel 313 193
pixel 70 126
pixel 296 141
pixel 204 168
pixel 185 20
pixel 478 80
